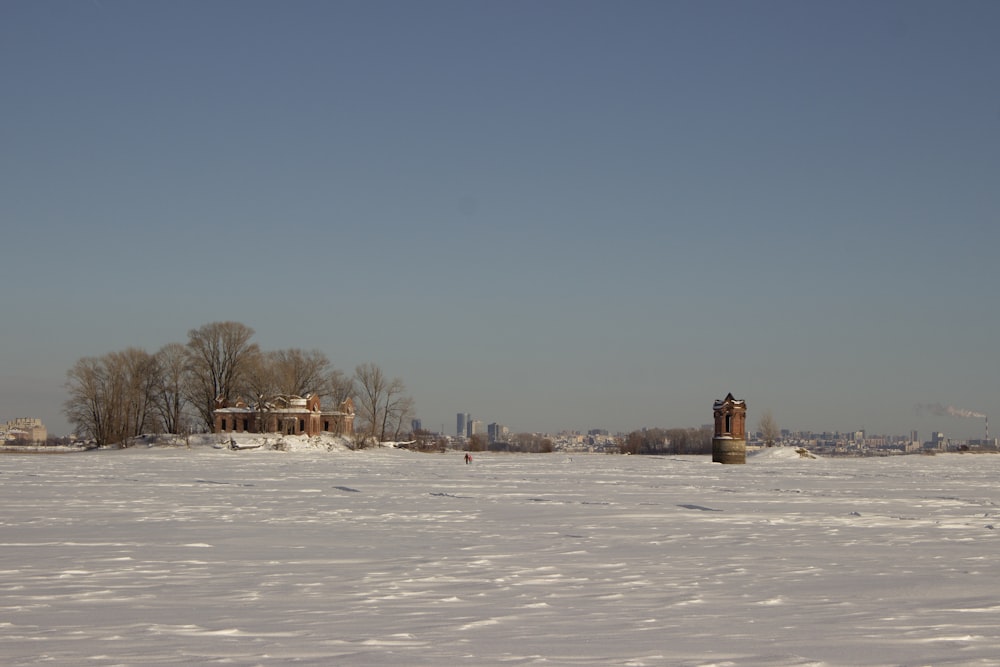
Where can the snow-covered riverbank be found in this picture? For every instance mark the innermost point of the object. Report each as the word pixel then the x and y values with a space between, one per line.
pixel 326 556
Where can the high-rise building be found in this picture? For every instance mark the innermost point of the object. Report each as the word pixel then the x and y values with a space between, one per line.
pixel 416 425
pixel 460 424
pixel 30 429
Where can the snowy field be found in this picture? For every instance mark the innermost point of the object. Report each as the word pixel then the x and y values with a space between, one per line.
pixel 167 556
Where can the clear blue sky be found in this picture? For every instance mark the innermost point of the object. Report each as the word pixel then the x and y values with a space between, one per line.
pixel 547 214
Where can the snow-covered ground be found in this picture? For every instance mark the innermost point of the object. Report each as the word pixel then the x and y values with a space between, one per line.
pixel 325 556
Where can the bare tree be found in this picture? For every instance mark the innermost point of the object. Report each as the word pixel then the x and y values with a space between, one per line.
pixel 768 428
pixel 171 361
pixel 428 442
pixel 397 409
pixel 371 387
pixel 399 414
pixel 87 408
pixel 630 444
pixel 259 378
pixel 341 386
pixel 529 442
pixel 701 440
pixel 646 441
pixel 111 397
pixel 219 356
pixel 371 384
pixel 381 402
pixel 140 375
pixel 476 443
pixel 299 373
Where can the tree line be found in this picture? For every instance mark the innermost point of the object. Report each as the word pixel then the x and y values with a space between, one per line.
pixel 121 395
pixel 530 443
pixel 668 441
pixel 426 441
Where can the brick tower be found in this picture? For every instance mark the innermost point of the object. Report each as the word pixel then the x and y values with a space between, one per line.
pixel 729 445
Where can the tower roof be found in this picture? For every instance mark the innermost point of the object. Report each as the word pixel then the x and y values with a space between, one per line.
pixel 729 400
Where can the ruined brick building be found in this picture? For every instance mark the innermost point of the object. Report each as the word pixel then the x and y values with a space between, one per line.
pixel 289 415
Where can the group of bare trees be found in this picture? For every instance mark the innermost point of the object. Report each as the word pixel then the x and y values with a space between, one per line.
pixel 112 398
pixel 526 442
pixel 668 441
pixel 118 396
pixel 381 403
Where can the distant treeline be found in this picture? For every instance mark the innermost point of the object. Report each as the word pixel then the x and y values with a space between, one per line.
pixel 647 441
pixel 531 443
pixel 668 441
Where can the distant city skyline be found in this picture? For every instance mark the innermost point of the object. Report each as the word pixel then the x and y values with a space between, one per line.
pixel 33 428
pixel 564 215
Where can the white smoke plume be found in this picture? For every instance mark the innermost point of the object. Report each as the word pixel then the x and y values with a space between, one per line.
pixel 948 411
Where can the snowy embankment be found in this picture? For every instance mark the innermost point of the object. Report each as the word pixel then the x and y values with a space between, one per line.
pixel 781 453
pixel 247 441
pixel 41 449
pixel 326 556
